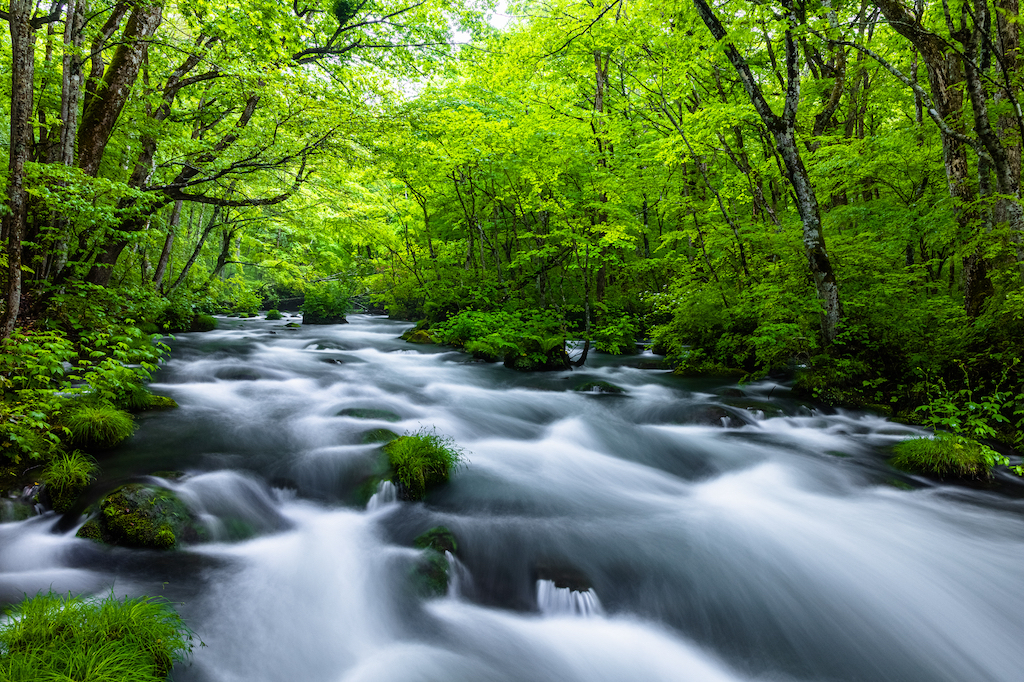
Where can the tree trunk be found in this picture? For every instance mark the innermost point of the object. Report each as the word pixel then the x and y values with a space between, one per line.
pixel 783 130
pixel 22 72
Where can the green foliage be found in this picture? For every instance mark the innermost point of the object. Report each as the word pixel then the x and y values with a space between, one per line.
pixel 273 314
pixel 421 460
pixel 525 340
pixel 326 302
pixel 66 475
pixel 204 323
pixel 98 424
pixel 53 638
pixel 618 336
pixel 944 455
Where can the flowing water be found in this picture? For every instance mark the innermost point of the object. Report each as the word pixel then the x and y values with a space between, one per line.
pixel 682 531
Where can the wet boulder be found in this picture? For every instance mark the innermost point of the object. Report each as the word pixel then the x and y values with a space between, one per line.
pixel 432 571
pixel 146 516
pixel 600 387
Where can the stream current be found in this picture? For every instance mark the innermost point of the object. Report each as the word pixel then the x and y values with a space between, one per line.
pixel 709 533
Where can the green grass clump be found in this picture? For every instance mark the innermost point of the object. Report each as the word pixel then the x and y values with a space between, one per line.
pixel 204 323
pixel 422 460
pixel 66 476
pixel 943 455
pixel 273 314
pixel 51 638
pixel 99 425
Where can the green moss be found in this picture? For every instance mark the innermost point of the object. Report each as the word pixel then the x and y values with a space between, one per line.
pixel 204 323
pixel 55 637
pixel 91 530
pixel 418 336
pixel 98 425
pixel 148 328
pixel 273 314
pixel 439 539
pixel 369 413
pixel 66 477
pixel 943 456
pixel 422 460
pixel 379 436
pixel 136 515
pixel 293 325
pixel 161 402
pixel 599 387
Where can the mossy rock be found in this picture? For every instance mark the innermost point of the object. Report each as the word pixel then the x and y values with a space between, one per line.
pixel 366 413
pixel 274 314
pixel 203 323
pixel 378 436
pixel 161 402
pixel 293 325
pixel 439 538
pixel 943 456
pixel 600 387
pixel 145 516
pixel 418 336
pixel 430 577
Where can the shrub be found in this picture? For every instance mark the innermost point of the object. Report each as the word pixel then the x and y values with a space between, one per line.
pixel 326 302
pixel 422 460
pixel 273 314
pixel 101 425
pixel 66 476
pixel 944 455
pixel 51 637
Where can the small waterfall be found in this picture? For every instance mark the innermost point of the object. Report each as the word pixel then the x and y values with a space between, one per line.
pixel 386 494
pixel 565 601
pixel 460 581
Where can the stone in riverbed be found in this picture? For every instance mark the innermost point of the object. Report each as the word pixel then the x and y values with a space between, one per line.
pixel 145 516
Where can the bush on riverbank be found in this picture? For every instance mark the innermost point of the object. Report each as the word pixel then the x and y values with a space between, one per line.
pixel 945 455
pixel 74 639
pixel 421 460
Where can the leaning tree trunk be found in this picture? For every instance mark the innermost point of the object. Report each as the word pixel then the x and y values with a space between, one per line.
pixel 783 130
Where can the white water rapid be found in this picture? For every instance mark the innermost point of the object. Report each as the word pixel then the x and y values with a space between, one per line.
pixel 731 533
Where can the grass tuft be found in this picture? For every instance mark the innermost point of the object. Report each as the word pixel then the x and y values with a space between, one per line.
pixel 101 425
pixel 943 455
pixel 66 476
pixel 422 460
pixel 73 639
pixel 273 314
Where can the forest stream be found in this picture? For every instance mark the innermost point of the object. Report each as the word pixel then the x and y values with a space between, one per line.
pixel 684 530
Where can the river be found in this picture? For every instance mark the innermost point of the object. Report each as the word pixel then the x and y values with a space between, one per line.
pixel 712 532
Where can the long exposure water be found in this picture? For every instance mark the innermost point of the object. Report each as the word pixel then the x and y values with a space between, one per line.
pixel 686 530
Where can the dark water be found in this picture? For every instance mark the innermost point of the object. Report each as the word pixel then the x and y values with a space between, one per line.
pixel 724 537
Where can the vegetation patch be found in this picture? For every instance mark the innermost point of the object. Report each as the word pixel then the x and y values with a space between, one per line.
pixel 98 425
pixel 379 436
pixel 273 314
pixel 161 402
pixel 422 460
pixel 326 303
pixel 137 515
pixel 66 477
pixel 204 323
pixel 944 456
pixel 75 639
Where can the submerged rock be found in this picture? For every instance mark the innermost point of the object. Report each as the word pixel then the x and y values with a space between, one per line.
pixel 417 336
pixel 431 574
pixel 378 436
pixel 369 413
pixel 137 515
pixel 600 387
pixel 313 318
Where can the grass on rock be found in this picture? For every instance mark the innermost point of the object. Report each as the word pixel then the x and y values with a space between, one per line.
pixel 422 460
pixel 943 456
